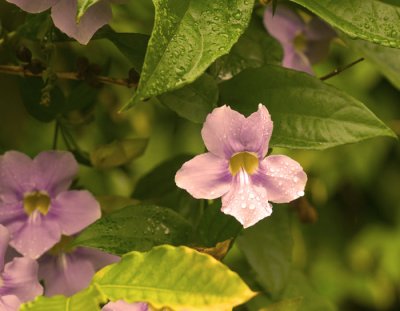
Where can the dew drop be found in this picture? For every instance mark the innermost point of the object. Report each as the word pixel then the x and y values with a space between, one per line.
pixel 243 205
pixel 300 193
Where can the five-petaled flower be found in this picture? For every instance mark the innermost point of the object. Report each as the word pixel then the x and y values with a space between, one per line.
pixel 64 13
pixel 235 167
pixel 18 278
pixel 303 42
pixel 121 305
pixel 35 205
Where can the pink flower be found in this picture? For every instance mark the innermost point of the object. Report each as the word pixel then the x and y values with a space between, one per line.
pixel 35 205
pixel 236 170
pixel 64 14
pixel 18 278
pixel 303 43
pixel 66 270
pixel 124 306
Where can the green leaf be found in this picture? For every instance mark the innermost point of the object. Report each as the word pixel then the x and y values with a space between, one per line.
pixel 137 227
pixel 80 97
pixel 176 277
pixel 369 20
pixel 193 101
pixel 255 48
pixel 306 112
pixel 83 6
pixel 386 59
pixel 88 300
pixel 118 152
pixel 215 226
pixel 188 36
pixel 268 249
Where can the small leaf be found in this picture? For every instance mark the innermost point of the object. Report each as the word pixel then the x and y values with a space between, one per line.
pixel 268 249
pixel 118 153
pixel 306 112
pixel 176 277
pixel 369 20
pixel 89 300
pixel 137 227
pixel 193 101
pixel 188 35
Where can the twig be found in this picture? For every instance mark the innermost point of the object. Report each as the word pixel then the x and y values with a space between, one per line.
pixel 55 138
pixel 339 70
pixel 21 71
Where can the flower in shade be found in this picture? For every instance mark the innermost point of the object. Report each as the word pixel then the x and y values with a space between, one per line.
pixel 64 13
pixel 67 270
pixel 18 278
pixel 236 170
pixel 304 42
pixel 121 305
pixel 35 205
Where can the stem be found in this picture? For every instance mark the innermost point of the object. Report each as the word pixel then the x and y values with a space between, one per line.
pixel 340 70
pixel 19 70
pixel 55 138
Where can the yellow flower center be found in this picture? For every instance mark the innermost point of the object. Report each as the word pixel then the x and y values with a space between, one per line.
pixel 63 247
pixel 36 201
pixel 243 160
pixel 300 42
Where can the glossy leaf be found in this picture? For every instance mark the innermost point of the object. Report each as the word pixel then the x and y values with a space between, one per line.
pixel 369 20
pixel 118 153
pixel 306 112
pixel 268 249
pixel 88 300
pixel 183 279
pixel 137 227
pixel 188 36
pixel 193 101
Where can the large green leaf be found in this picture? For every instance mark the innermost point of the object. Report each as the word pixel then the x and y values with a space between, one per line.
pixel 193 101
pixel 370 20
pixel 268 249
pixel 137 227
pixel 88 300
pixel 306 112
pixel 188 36
pixel 177 277
pixel 387 60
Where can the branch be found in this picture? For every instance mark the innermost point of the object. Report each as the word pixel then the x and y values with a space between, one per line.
pixel 339 70
pixel 21 71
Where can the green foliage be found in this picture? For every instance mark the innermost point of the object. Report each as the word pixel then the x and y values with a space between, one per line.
pixel 137 227
pixel 187 37
pixel 183 279
pixel 369 20
pixel 306 112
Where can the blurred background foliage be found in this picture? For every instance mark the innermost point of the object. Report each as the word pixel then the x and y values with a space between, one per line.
pixel 345 232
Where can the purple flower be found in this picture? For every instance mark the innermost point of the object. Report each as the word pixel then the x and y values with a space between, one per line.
pixel 35 205
pixel 66 270
pixel 235 167
pixel 64 13
pixel 18 278
pixel 304 43
pixel 124 306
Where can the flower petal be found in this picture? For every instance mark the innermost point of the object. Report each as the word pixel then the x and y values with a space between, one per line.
pixel 54 171
pixel 246 202
pixel 206 176
pixel 297 61
pixel 36 236
pixel 12 216
pixel 9 303
pixel 15 176
pixel 256 131
pixel 74 210
pixel 64 17
pixel 4 239
pixel 34 6
pixel 282 177
pixel 97 258
pixel 221 132
pixel 284 25
pixel 20 279
pixel 121 305
pixel 65 274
